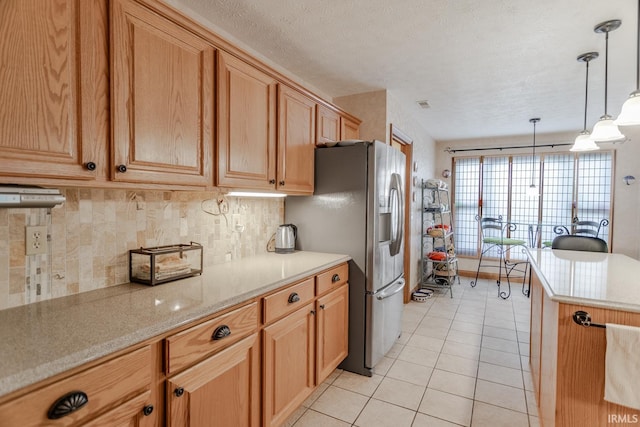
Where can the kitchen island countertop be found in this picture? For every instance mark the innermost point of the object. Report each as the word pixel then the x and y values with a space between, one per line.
pixel 44 339
pixel 593 279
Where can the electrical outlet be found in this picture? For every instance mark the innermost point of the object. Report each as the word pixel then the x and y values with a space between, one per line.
pixel 36 240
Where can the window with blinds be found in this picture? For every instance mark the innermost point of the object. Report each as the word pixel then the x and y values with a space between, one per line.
pixel 568 186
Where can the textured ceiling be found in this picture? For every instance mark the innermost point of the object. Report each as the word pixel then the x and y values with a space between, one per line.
pixel 485 66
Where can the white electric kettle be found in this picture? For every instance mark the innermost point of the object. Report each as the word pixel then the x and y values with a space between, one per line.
pixel 286 238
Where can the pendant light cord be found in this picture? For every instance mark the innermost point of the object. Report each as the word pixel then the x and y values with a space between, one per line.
pixel 586 97
pixel 638 50
pixel 606 70
pixel 533 155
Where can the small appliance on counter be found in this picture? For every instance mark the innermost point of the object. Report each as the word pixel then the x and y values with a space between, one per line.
pixel 160 264
pixel 286 238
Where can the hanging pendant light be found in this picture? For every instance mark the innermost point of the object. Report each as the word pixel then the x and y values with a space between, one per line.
pixel 630 114
pixel 605 130
pixel 583 141
pixel 532 191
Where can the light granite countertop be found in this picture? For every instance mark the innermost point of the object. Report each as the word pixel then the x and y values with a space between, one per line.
pixel 46 338
pixel 589 278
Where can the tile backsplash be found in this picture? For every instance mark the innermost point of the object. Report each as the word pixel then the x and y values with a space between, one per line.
pixel 91 233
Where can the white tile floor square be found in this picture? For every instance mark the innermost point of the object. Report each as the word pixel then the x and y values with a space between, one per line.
pixel 460 361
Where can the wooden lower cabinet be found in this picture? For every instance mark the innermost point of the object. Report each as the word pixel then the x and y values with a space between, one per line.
pixel 289 364
pixel 223 390
pixel 332 342
pixel 115 393
pixel 225 370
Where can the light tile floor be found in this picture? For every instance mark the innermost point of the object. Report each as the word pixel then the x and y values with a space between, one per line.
pixel 460 361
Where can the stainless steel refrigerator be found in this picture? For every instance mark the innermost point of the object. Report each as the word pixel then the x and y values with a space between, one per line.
pixel 358 209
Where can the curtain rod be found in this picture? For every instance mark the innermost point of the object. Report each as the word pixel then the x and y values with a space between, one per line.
pixel 511 147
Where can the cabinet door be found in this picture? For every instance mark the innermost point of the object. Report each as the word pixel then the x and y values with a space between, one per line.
pixel 296 136
pixel 288 364
pixel 163 99
pixel 332 332
pixel 349 129
pixel 327 126
pixel 136 412
pixel 54 108
pixel 223 390
pixel 246 126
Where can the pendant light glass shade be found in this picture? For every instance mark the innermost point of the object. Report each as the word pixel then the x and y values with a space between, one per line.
pixel 630 114
pixel 583 141
pixel 605 130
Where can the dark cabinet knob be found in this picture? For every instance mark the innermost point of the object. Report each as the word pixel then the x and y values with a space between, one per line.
pixel 147 410
pixel 222 331
pixel 294 297
pixel 90 166
pixel 281 182
pixel 272 181
pixel 67 404
pixel 122 168
pixel 312 312
pixel 322 306
pixel 178 391
pixel 335 278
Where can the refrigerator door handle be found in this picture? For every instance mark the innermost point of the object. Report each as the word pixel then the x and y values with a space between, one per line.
pixel 391 290
pixel 397 214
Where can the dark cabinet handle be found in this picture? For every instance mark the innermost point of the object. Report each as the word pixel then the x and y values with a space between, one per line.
pixel 294 297
pixel 67 404
pixel 272 181
pixel 90 166
pixel 322 306
pixel 281 182
pixel 313 312
pixel 178 391
pixel 122 168
pixel 147 410
pixel 221 332
pixel 335 278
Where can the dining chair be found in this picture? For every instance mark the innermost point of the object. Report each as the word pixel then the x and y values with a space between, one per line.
pixel 495 238
pixel 583 228
pixel 574 242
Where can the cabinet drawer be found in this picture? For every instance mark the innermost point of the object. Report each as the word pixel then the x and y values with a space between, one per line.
pixel 103 386
pixel 191 345
pixel 287 300
pixel 332 278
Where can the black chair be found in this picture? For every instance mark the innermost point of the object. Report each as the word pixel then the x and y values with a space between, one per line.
pixel 583 228
pixel 495 237
pixel 579 243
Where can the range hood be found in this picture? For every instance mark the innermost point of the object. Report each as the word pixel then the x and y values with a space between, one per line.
pixel 27 196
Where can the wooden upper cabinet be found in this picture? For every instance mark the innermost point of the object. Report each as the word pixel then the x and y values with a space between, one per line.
pixel 54 73
pixel 327 125
pixel 246 125
pixel 349 129
pixel 162 78
pixel 296 141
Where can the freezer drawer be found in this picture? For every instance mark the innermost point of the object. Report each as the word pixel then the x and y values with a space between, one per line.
pixel 384 321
